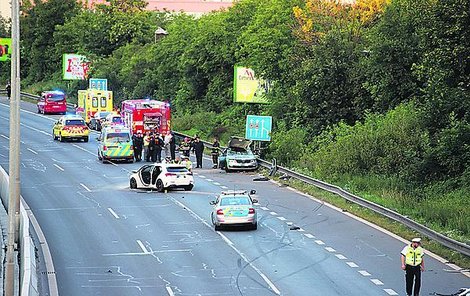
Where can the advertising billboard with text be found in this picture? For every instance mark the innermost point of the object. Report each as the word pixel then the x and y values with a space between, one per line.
pixel 247 88
pixel 74 67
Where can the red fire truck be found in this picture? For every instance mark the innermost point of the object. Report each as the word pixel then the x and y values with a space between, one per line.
pixel 146 115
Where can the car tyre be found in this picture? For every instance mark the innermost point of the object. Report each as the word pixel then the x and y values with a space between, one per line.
pixel 188 188
pixel 85 139
pixel 160 187
pixel 99 156
pixel 227 170
pixel 133 183
pixel 60 138
pixel 254 226
pixel 217 227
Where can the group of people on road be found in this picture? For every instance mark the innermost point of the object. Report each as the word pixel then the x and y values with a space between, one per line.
pixel 153 144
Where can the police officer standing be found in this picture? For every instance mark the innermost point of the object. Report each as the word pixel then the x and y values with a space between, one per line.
pixel 412 262
pixel 215 153
pixel 158 147
pixel 198 148
pixel 138 142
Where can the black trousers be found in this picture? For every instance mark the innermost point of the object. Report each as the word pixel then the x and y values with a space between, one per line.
pixel 413 273
pixel 215 159
pixel 199 159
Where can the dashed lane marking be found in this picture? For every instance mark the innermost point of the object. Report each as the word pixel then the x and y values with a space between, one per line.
pixel 170 291
pixel 363 272
pixel 141 245
pixel 282 218
pixel 3 136
pixel 264 208
pixel 59 167
pixel 330 249
pixel 201 176
pixel 390 292
pixel 210 180
pixel 85 187
pixel 309 235
pixel 32 151
pixel 377 282
pixel 224 187
pixel 352 264
pixel 319 242
pixel 341 257
pixel 273 213
pixel 113 213
pixel 216 183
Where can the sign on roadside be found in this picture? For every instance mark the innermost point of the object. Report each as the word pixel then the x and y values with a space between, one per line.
pixel 74 67
pixel 247 88
pixel 258 128
pixel 5 49
pixel 98 84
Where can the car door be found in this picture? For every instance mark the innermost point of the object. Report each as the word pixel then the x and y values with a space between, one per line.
pixel 157 170
pixel 145 175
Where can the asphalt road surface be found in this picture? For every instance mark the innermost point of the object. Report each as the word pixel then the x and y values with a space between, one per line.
pixel 106 239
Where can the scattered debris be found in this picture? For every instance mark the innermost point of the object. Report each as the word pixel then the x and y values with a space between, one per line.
pixel 261 179
pixel 294 227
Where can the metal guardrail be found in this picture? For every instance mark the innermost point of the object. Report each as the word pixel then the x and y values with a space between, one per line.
pixel 440 238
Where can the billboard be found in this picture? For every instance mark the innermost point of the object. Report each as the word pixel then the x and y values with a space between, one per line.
pixel 247 88
pixel 5 49
pixel 74 67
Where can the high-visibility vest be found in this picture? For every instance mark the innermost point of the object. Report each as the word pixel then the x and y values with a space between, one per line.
pixel 413 257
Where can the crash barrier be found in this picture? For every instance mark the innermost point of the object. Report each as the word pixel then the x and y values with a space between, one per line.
pixel 27 272
pixel 425 231
pixel 274 168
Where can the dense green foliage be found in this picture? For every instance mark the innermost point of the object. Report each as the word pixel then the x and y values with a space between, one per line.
pixel 376 102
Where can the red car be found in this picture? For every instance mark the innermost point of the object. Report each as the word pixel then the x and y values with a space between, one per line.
pixel 52 102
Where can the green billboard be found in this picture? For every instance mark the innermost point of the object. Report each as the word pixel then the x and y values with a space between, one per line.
pixel 247 88
pixel 5 49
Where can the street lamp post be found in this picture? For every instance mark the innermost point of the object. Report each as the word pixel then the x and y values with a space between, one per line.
pixel 14 157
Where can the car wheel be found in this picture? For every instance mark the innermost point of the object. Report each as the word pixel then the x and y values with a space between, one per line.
pixel 160 187
pixel 39 111
pixel 60 137
pixel 99 156
pixel 217 227
pixel 227 170
pixel 133 183
pixel 254 226
pixel 53 136
pixel 188 188
pixel 85 139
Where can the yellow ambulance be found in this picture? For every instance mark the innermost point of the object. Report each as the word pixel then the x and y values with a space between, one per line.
pixel 91 101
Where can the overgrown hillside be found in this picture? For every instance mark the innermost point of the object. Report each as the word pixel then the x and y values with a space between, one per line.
pixel 373 97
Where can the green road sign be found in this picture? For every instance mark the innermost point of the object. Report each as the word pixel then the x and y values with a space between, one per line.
pixel 5 49
pixel 258 128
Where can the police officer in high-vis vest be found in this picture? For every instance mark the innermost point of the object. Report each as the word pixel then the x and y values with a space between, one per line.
pixel 412 262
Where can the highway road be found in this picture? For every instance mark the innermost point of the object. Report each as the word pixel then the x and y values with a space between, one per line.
pixel 106 239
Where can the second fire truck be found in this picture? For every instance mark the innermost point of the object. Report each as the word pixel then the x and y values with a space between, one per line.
pixel 146 115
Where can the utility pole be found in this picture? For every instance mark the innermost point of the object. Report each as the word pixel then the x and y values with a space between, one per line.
pixel 14 158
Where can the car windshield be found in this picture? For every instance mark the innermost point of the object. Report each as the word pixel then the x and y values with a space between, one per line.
pixel 102 114
pixel 177 169
pixel 55 97
pixel 239 151
pixel 235 201
pixel 117 137
pixel 74 122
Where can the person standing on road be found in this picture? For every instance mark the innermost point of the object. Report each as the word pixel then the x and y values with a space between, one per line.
pixel 138 142
pixel 8 89
pixel 146 146
pixel 173 146
pixel 215 153
pixel 412 262
pixel 166 145
pixel 198 148
pixel 158 147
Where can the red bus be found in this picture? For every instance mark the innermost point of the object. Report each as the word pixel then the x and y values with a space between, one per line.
pixel 52 102
pixel 146 115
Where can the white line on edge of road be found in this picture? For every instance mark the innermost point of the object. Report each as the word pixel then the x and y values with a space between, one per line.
pixel 113 213
pixel 59 167
pixel 241 254
pixel 84 186
pixel 3 136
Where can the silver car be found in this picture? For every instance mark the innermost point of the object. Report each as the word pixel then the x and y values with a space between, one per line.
pixel 234 208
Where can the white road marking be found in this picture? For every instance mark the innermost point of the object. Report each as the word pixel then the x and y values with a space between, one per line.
pixel 224 187
pixel 309 235
pixel 341 257
pixel 84 186
pixel 301 230
pixel 3 136
pixel 58 167
pixel 352 264
pixel 226 239
pixel 201 176
pixel 363 272
pixel 390 292
pixel 170 291
pixel 141 245
pixel 264 208
pixel 210 180
pixel 242 255
pixel 281 218
pixel 319 242
pixel 35 129
pixel 216 183
pixel 377 282
pixel 273 213
pixel 330 249
pixel 32 151
pixel 113 213
pixel 83 149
